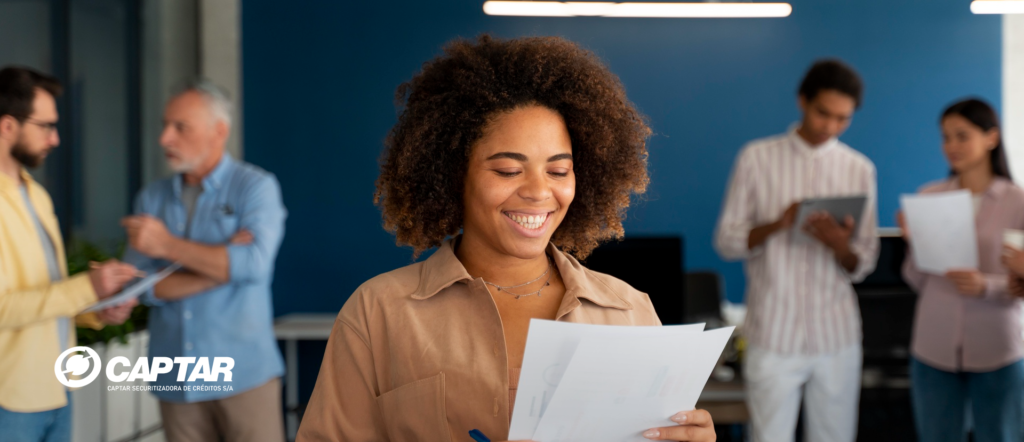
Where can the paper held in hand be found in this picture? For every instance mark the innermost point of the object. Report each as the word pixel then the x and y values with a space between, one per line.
pixel 610 383
pixel 942 231
pixel 135 290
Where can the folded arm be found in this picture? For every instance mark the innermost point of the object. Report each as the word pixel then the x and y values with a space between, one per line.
pixel 183 284
pixel 248 256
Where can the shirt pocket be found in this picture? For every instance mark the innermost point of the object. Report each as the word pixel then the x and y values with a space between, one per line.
pixel 416 411
pixel 227 226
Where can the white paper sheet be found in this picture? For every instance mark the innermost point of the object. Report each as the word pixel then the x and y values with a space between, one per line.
pixel 614 390
pixel 942 232
pixel 550 346
pixel 135 290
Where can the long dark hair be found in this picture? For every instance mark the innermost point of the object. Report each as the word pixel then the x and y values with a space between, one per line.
pixel 982 115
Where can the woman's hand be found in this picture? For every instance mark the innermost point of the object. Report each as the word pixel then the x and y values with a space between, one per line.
pixel 1016 286
pixel 1013 259
pixel 694 426
pixel 968 282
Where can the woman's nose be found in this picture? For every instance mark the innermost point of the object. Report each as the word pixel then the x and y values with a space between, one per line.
pixel 535 188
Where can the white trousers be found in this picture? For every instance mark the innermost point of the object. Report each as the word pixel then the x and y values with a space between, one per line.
pixel 829 385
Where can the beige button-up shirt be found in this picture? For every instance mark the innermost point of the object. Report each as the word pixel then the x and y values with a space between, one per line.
pixel 955 332
pixel 418 353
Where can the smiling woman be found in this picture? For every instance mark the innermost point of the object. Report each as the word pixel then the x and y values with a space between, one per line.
pixel 445 111
pixel 505 154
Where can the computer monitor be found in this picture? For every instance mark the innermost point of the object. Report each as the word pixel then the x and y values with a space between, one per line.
pixel 653 265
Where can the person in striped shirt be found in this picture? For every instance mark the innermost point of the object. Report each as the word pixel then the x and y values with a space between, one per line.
pixel 803 324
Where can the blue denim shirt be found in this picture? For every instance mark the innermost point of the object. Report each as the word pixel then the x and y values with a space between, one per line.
pixel 234 319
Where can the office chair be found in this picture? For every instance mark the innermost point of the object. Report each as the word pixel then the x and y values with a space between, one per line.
pixel 704 292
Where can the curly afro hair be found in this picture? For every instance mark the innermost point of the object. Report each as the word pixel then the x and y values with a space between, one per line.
pixel 444 109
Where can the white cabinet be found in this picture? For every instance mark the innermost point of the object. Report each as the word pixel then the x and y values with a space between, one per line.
pixel 99 415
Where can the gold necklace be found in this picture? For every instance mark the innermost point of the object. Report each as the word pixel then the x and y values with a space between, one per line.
pixel 504 288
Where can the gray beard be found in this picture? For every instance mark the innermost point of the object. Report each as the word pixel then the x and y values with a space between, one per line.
pixel 26 158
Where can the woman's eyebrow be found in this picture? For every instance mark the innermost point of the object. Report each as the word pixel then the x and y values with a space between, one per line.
pixel 510 155
pixel 522 158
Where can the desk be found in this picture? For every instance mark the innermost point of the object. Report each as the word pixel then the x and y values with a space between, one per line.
pixel 291 329
pixel 726 401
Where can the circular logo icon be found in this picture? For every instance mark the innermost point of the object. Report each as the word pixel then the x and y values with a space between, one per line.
pixel 77 365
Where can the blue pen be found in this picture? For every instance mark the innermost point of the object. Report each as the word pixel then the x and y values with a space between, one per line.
pixel 478 436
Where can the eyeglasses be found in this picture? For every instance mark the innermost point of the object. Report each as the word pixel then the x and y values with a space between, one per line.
pixel 49 127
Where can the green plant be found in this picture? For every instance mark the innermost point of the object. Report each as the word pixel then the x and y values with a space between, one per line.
pixel 79 254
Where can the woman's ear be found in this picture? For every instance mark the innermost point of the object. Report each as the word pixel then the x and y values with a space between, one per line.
pixel 993 137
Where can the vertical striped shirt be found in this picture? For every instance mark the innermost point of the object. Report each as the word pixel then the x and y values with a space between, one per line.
pixel 799 298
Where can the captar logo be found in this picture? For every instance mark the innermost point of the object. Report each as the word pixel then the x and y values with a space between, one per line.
pixel 77 365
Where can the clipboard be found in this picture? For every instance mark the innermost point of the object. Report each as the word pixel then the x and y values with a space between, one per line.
pixel 135 290
pixel 838 207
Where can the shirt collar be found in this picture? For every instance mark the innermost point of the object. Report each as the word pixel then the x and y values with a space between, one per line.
pixel 996 188
pixel 213 180
pixel 443 268
pixel 6 183
pixel 806 149
pixel 440 270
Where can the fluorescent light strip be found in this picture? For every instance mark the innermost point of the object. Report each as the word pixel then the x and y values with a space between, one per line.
pixel 701 10
pixel 997 7
pixel 609 9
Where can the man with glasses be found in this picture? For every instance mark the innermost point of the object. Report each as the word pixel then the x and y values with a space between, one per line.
pixel 37 299
pixel 223 221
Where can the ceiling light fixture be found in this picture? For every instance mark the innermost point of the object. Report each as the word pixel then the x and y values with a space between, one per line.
pixel 997 7
pixel 663 10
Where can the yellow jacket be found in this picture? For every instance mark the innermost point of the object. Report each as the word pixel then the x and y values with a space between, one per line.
pixel 30 303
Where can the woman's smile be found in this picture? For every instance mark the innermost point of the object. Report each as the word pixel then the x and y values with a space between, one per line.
pixel 531 225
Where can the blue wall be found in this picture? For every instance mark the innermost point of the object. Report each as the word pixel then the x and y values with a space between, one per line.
pixel 319 80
